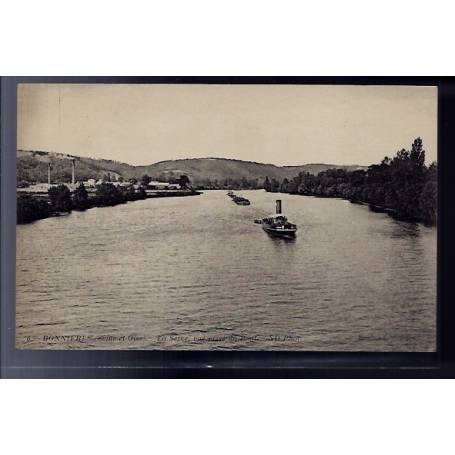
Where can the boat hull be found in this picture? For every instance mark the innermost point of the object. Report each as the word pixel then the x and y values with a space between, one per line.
pixel 289 233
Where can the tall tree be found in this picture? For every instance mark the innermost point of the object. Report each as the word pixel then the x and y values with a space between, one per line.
pixel 108 194
pixel 80 197
pixel 274 186
pixel 184 181
pixel 30 208
pixel 60 198
pixel 284 185
pixel 145 180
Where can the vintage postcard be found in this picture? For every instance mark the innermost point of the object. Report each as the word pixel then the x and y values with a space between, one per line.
pixel 226 217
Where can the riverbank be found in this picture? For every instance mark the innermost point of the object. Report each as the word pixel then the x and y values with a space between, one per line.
pixel 60 202
pixel 396 214
pixel 403 186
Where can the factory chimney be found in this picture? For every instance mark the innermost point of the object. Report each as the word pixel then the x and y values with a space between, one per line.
pixel 73 171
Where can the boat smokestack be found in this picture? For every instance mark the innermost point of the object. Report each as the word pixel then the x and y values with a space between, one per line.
pixel 48 173
pixel 73 171
pixel 278 206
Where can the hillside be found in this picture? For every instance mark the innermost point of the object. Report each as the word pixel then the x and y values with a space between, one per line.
pixel 32 166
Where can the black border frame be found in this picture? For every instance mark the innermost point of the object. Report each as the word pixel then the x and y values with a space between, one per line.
pixel 228 364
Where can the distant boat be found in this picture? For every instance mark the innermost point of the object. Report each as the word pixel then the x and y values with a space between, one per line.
pixel 278 224
pixel 239 200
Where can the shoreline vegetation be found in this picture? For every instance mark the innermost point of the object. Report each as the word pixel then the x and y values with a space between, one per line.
pixel 60 201
pixel 402 186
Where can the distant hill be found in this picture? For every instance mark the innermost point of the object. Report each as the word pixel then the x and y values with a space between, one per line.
pixel 33 165
pixel 220 169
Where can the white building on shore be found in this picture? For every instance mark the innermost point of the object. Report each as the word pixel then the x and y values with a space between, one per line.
pixel 155 185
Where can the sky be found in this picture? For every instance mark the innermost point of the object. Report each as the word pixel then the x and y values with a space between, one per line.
pixel 279 124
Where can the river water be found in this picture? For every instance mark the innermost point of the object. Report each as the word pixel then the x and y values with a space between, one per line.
pixel 197 273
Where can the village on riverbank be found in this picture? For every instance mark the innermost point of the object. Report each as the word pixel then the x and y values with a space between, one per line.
pixel 40 200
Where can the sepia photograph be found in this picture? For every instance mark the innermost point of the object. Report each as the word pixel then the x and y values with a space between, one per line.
pixel 227 218
pixel 234 217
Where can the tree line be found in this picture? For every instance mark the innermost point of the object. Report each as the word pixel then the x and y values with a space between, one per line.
pixel 60 200
pixel 403 185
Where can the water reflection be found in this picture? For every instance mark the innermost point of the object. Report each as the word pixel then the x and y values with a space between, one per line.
pixel 405 228
pixel 278 240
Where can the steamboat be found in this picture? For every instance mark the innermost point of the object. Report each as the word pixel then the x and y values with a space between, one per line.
pixel 278 224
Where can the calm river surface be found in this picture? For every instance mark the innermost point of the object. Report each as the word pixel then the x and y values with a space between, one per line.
pixel 197 273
